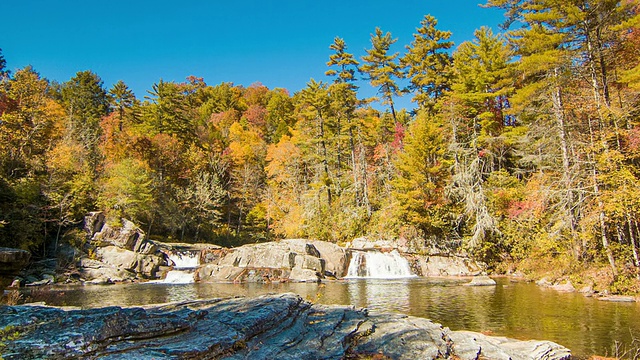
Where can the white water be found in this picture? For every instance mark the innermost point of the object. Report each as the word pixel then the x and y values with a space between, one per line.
pixel 378 265
pixel 188 260
pixel 178 277
pixel 184 265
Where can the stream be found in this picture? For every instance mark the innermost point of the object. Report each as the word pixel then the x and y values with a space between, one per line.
pixel 514 309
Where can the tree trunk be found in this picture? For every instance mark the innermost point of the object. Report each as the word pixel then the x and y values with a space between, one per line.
pixel 558 112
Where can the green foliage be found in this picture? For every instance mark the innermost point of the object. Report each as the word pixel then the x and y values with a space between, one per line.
pixel 125 191
pixel 429 64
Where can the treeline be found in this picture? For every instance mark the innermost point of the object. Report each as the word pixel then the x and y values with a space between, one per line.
pixel 523 146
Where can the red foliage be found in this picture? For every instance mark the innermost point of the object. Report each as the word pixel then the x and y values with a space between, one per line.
pixel 256 116
pixel 398 137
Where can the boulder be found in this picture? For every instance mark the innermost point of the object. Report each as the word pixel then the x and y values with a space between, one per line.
pixel 481 281
pixel 12 261
pixel 566 286
pixel 128 236
pixel 280 326
pixel 440 265
pixel 294 259
pixel 142 264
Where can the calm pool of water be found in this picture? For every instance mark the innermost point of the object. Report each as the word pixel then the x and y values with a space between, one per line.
pixel 514 309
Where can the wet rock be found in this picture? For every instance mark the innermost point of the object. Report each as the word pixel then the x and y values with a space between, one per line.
pixel 617 298
pixel 566 286
pixel 267 327
pixel 481 281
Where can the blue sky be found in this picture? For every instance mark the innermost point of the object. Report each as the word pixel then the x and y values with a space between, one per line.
pixel 278 43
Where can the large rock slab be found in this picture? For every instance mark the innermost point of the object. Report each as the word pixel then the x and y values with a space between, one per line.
pixel 293 259
pixel 268 327
pixel 441 265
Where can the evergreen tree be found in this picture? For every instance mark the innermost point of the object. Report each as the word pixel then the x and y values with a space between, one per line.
pixel 122 98
pixel 428 63
pixel 382 69
pixel 86 102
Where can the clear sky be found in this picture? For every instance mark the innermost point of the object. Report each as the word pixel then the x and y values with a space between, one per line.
pixel 278 43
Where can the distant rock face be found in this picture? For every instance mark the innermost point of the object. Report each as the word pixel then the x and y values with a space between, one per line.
pixel 295 260
pixel 268 327
pixel 11 262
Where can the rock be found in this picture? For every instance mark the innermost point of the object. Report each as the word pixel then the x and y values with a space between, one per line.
pixel 439 265
pixel 587 291
pixel 481 281
pixel 12 261
pixel 267 327
pixel 145 265
pixel 544 282
pixel 294 259
pixel 617 298
pixel 567 286
pixel 91 269
pixel 127 237
pixel 93 222
pixel 363 244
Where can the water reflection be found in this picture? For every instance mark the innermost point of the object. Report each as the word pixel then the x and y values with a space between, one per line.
pixel 385 295
pixel 519 310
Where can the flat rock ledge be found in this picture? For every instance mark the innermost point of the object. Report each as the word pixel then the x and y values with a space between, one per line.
pixel 282 326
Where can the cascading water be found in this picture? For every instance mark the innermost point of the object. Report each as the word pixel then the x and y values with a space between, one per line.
pixel 184 264
pixel 374 264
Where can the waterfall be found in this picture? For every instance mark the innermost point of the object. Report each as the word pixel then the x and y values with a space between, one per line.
pixel 378 265
pixel 185 259
pixel 184 265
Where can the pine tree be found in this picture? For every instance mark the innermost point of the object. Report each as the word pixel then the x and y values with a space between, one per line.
pixel 382 69
pixel 428 63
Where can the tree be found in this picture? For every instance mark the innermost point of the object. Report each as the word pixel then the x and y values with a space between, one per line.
pixel 86 102
pixel 382 68
pixel 428 63
pixel 479 94
pixel 423 173
pixel 344 61
pixel 168 112
pixel 315 106
pixel 122 98
pixel 4 73
pixel 125 191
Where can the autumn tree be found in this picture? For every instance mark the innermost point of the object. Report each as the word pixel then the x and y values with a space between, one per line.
pixel 86 102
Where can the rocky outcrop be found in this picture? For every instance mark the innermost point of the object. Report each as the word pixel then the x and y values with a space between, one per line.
pixel 118 253
pixel 268 327
pixel 12 261
pixel 295 260
pixel 443 265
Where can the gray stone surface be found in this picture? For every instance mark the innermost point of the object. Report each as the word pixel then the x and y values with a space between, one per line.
pixel 440 265
pixel 268 327
pixel 293 259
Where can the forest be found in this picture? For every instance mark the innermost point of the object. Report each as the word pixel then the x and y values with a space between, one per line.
pixel 522 149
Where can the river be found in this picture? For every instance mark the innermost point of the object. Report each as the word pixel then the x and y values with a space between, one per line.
pixel 515 309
